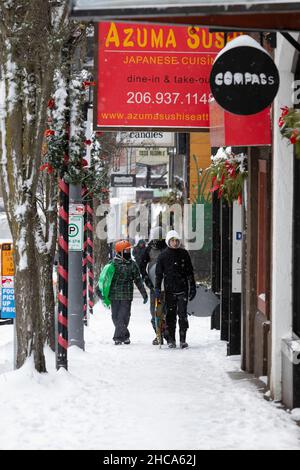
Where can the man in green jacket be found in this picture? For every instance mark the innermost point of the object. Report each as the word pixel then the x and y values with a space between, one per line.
pixel 121 290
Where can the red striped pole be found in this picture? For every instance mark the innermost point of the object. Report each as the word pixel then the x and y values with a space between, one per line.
pixel 63 244
pixel 90 253
pixel 84 256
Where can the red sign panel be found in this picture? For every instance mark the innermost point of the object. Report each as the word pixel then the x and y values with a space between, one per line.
pixel 233 130
pixel 152 76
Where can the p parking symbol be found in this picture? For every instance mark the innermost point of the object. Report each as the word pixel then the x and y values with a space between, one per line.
pixel 73 230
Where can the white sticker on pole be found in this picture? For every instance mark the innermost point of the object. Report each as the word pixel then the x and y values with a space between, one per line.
pixel 237 248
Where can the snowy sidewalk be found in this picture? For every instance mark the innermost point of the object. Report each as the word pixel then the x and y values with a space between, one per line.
pixel 138 396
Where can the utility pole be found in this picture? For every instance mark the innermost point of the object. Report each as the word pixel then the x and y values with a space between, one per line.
pixel 171 167
pixel 148 176
pixel 76 221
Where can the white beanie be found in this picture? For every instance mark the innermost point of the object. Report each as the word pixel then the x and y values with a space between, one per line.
pixel 172 234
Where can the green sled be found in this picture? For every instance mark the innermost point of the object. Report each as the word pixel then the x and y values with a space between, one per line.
pixel 104 283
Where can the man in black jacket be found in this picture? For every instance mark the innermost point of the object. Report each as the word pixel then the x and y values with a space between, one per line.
pixel 155 247
pixel 174 267
pixel 138 252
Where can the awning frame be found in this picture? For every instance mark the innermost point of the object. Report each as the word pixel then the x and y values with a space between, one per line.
pixel 263 16
pixel 167 11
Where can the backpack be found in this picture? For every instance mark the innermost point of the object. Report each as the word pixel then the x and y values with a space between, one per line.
pixel 104 282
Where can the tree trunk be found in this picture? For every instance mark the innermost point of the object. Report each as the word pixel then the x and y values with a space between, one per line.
pixel 32 35
pixel 48 299
pixel 29 314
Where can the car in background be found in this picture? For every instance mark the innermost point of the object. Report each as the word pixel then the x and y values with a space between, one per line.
pixel 5 235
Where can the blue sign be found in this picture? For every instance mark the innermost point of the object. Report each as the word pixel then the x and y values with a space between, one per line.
pixel 8 303
pixel 239 235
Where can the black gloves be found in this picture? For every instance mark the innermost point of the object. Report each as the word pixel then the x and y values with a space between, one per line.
pixel 145 298
pixel 192 292
pixel 98 292
pixel 148 282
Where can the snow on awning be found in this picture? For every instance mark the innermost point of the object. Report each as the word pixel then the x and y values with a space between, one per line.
pixel 122 8
pixel 264 15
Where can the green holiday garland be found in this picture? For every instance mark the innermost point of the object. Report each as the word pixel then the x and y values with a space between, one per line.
pixel 66 144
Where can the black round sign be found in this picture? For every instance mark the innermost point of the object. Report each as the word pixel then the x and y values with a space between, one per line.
pixel 244 80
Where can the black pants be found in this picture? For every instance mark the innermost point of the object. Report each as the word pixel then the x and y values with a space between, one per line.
pixel 176 304
pixel 121 310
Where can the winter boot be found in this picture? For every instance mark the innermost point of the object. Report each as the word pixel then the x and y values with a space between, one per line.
pixel 172 343
pixel 183 343
pixel 117 343
pixel 127 341
pixel 166 335
pixel 155 342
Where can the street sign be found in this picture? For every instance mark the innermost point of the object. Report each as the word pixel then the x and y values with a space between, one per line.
pixel 146 139
pixel 7 261
pixel 152 156
pixel 228 130
pixel 75 232
pixel 8 309
pixel 244 79
pixel 123 181
pixel 237 248
pixel 7 297
pixel 76 209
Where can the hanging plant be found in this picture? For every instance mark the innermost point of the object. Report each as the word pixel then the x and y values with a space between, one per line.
pixel 289 123
pixel 203 196
pixel 228 173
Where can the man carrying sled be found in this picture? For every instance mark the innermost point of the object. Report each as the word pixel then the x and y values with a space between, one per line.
pixel 174 267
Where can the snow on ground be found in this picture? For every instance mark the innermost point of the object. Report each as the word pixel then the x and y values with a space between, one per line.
pixel 138 396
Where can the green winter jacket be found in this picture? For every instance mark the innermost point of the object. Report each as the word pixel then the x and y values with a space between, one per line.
pixel 126 273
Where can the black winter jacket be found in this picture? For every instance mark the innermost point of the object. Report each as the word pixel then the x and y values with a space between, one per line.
pixel 138 253
pixel 151 255
pixel 174 266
